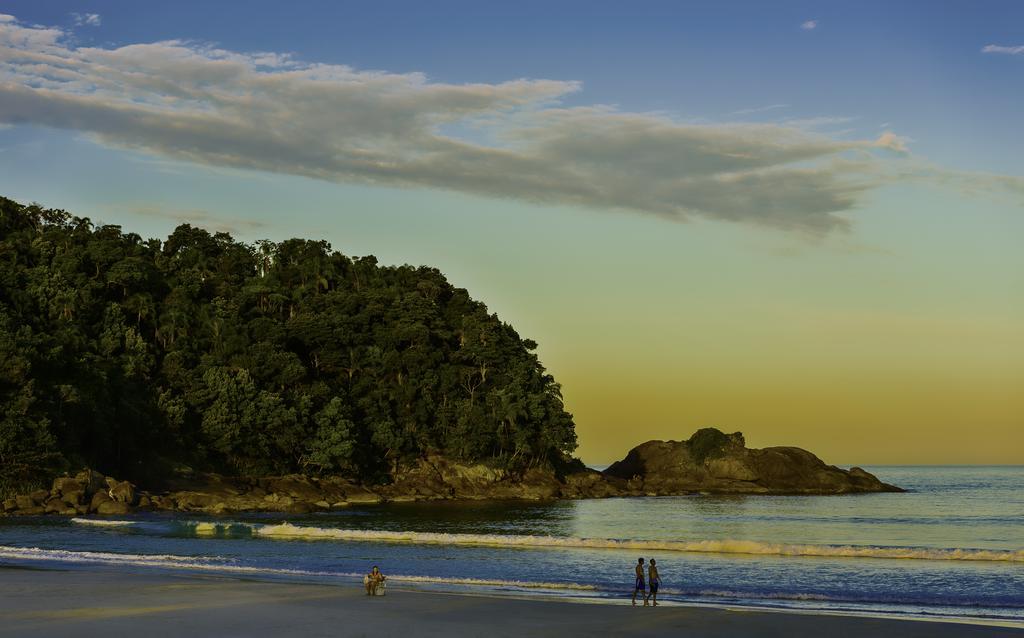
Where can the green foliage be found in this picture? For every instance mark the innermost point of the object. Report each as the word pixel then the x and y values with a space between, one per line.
pixel 129 355
pixel 707 443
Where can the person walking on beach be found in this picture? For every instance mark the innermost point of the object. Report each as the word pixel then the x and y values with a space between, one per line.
pixel 654 580
pixel 639 586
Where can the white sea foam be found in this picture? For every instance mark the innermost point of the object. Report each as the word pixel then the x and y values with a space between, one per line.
pixel 103 522
pixel 287 531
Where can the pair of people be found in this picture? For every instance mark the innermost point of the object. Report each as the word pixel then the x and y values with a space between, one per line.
pixel 374 582
pixel 641 585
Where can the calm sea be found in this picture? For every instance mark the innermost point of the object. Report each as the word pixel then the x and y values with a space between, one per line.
pixel 952 546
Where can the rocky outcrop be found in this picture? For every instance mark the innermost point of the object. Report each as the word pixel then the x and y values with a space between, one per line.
pixel 712 461
pixel 709 462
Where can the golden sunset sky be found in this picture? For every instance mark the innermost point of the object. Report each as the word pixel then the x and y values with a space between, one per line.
pixel 808 228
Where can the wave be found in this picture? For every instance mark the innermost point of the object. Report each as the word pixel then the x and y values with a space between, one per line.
pixel 287 531
pixel 219 564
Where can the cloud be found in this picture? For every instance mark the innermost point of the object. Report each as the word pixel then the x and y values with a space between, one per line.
pixel 270 112
pixel 995 48
pixel 890 141
pixel 809 25
pixel 86 19
pixel 760 109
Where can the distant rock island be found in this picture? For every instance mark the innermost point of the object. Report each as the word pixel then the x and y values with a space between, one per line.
pixel 709 462
pixel 712 461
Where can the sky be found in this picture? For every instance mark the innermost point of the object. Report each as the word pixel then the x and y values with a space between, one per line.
pixel 802 221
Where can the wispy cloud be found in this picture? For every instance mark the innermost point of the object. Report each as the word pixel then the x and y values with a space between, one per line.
pixel 809 25
pixel 86 19
pixel 995 48
pixel 269 112
pixel 760 109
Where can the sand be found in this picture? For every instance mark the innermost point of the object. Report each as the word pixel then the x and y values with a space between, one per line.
pixel 102 602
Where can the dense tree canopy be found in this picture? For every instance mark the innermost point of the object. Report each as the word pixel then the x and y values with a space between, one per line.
pixel 130 355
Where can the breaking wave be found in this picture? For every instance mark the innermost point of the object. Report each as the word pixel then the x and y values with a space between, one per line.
pixel 286 531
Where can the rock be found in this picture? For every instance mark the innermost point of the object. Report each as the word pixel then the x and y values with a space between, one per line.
pixel 122 492
pixel 297 487
pixel 92 481
pixel 55 506
pixel 113 507
pixel 144 501
pixel 64 484
pixel 192 501
pixel 714 462
pixel 10 504
pixel 98 499
pixel 39 496
pixel 299 508
pixel 362 497
pixel 76 497
pixel 35 510
pixel 24 502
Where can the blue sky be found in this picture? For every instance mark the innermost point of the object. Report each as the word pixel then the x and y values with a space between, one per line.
pixel 621 181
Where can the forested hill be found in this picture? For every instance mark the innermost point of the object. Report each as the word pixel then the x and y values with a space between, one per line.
pixel 133 356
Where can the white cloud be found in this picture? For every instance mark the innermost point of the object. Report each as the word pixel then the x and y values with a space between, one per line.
pixel 86 19
pixel 995 48
pixel 892 142
pixel 760 109
pixel 270 112
pixel 809 25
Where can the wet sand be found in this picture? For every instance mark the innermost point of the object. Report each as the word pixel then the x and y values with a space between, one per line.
pixel 45 602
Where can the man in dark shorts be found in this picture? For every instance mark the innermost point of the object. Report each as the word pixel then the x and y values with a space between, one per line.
pixel 640 585
pixel 655 581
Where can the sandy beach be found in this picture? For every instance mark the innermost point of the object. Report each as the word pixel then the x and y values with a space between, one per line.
pixel 43 603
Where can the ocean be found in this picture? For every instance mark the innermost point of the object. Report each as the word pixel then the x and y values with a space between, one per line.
pixel 953 546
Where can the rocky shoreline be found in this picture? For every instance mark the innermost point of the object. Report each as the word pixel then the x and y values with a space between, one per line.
pixel 710 462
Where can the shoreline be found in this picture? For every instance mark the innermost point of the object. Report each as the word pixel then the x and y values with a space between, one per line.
pixel 47 601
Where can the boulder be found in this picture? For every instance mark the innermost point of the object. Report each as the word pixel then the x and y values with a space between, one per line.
pixel 360 496
pixel 65 484
pixel 73 497
pixel 10 504
pixel 56 506
pixel 711 461
pixel 39 496
pixel 122 492
pixel 113 508
pixel 98 499
pixel 92 481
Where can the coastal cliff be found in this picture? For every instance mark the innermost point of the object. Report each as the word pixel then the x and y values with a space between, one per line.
pixel 710 462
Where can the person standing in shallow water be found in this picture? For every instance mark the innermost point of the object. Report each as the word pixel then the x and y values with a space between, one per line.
pixel 639 586
pixel 654 580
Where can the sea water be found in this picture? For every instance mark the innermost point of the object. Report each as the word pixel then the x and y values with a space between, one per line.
pixel 953 546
